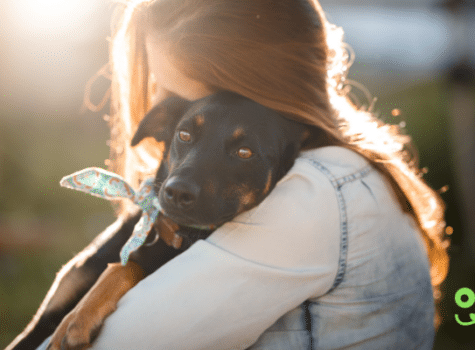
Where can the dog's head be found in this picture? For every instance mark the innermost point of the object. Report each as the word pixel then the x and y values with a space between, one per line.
pixel 224 154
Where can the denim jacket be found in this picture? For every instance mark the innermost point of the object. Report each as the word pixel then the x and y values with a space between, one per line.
pixel 327 261
pixel 381 297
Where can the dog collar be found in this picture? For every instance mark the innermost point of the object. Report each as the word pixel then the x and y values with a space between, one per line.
pixel 105 184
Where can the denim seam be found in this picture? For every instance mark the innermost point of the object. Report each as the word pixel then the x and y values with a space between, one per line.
pixel 337 184
pixel 355 176
pixel 307 318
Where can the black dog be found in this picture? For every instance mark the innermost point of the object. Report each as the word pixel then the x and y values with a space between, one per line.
pixel 224 154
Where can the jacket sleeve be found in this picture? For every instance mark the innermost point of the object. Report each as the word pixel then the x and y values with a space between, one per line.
pixel 224 292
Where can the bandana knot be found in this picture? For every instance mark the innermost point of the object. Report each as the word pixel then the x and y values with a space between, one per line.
pixel 104 184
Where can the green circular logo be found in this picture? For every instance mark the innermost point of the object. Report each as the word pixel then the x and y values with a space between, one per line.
pixel 470 298
pixel 469 295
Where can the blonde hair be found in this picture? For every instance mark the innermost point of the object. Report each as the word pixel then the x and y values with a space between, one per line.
pixel 283 55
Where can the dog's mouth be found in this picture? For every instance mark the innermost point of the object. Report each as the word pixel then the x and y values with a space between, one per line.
pixel 202 213
pixel 185 220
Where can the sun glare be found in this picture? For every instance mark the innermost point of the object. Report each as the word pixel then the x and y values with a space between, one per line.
pixel 48 16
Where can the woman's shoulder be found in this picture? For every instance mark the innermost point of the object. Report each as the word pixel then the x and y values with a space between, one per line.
pixel 334 163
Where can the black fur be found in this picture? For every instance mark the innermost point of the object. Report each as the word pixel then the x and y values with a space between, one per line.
pixel 201 182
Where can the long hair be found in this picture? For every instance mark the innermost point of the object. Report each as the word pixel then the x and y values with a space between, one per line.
pixel 284 55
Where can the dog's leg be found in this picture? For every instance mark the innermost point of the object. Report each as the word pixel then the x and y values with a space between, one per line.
pixel 79 328
pixel 73 281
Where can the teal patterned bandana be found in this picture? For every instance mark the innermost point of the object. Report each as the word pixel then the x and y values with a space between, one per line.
pixel 101 183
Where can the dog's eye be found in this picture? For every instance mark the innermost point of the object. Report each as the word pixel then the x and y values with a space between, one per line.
pixel 185 136
pixel 244 153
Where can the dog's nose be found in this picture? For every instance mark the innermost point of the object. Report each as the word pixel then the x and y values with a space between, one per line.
pixel 181 193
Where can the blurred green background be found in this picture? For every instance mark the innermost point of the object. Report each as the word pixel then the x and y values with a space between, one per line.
pixel 43 137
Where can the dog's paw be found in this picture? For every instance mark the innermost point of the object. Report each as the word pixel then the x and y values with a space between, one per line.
pixel 81 326
pixel 75 332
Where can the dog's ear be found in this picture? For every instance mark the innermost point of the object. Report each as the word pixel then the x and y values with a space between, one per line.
pixel 161 121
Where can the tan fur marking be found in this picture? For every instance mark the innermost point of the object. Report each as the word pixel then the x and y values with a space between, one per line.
pixel 167 229
pixel 268 183
pixel 247 198
pixel 199 120
pixel 101 300
pixel 238 133
pixel 82 322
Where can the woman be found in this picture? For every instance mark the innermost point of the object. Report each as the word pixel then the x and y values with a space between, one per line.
pixel 347 249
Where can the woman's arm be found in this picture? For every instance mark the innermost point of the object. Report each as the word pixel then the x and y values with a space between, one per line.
pixel 226 291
